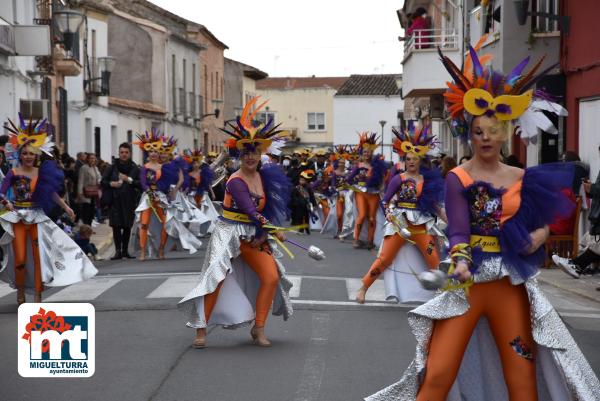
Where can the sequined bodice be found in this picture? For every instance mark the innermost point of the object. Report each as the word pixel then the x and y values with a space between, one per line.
pixel 485 207
pixel 407 193
pixel 151 177
pixel 23 188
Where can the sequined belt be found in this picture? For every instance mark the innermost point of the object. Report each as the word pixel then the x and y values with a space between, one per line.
pixel 406 205
pixel 235 216
pixel 486 243
pixel 24 204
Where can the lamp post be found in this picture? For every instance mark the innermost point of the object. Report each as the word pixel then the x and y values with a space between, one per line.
pixel 382 122
pixel 68 23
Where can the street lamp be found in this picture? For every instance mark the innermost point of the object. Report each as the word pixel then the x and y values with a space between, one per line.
pixel 382 122
pixel 105 68
pixel 68 23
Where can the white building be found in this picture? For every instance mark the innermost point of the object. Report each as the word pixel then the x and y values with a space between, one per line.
pixel 362 103
pixel 20 40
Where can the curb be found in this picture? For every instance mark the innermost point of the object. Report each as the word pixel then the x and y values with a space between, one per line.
pixel 571 290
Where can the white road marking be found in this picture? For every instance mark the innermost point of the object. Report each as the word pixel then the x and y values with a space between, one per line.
pixel 5 289
pixel 174 287
pixel 309 386
pixel 376 291
pixel 297 282
pixel 84 291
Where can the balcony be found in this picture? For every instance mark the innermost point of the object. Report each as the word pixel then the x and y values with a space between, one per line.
pixel 65 65
pixel 423 74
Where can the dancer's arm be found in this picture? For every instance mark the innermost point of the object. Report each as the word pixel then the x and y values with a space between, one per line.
pixel 6 183
pixel 459 228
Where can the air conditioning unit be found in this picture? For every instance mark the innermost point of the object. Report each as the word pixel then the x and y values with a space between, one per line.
pixel 34 109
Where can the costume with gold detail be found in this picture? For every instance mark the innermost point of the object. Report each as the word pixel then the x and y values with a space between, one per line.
pixel 42 254
pixel 496 337
pixel 161 214
pixel 239 283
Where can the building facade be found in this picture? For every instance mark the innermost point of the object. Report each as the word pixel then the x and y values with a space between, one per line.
pixel 580 61
pixel 368 103
pixel 303 106
pixel 455 24
pixel 240 86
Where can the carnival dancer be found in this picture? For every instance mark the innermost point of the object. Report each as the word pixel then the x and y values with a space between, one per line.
pixel 157 213
pixel 55 259
pixel 498 220
pixel 412 207
pixel 332 186
pixel 199 191
pixel 303 202
pixel 241 275
pixel 368 177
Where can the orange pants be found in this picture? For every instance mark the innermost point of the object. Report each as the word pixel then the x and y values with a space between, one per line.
pixel 198 199
pixel 20 250
pixel 325 207
pixel 367 205
pixel 506 308
pixel 391 246
pixel 339 211
pixel 264 266
pixel 145 221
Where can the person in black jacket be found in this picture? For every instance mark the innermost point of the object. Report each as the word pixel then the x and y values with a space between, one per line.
pixel 121 188
pixel 303 200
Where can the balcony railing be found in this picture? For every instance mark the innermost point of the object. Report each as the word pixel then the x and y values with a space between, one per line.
pixel 431 39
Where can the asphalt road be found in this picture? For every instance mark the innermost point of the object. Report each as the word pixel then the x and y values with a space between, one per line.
pixel 331 349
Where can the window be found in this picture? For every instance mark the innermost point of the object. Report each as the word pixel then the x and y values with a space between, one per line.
pixel 316 121
pixel 265 116
pixel 174 84
pixel 542 24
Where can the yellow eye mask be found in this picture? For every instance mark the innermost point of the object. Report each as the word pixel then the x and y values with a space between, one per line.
pixel 505 107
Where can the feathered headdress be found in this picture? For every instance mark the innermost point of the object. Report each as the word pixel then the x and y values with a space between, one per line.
pixel 193 155
pixel 308 174
pixel 418 143
pixel 154 141
pixel 367 141
pixel 248 134
pixel 480 91
pixel 33 134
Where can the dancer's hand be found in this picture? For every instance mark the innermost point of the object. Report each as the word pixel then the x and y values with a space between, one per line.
pixel 70 213
pixel 389 217
pixel 462 271
pixel 9 206
pixel 538 238
pixel 258 241
pixel 279 235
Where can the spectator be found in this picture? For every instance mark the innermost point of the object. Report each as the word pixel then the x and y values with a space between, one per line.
pixel 566 225
pixel 590 243
pixel 121 185
pixel 419 29
pixel 464 159
pixel 581 172
pixel 82 238
pixel 88 188
pixel 448 163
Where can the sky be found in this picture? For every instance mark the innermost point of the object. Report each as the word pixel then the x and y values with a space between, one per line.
pixel 302 38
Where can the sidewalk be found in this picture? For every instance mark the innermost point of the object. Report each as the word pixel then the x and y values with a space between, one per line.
pixel 103 239
pixel 585 286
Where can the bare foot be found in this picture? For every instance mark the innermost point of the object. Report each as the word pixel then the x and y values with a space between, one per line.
pixel 361 294
pixel 161 252
pixel 258 335
pixel 142 256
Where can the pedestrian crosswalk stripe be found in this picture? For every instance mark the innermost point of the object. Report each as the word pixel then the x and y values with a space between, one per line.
pixel 376 292
pixel 84 291
pixel 5 289
pixel 174 287
pixel 297 282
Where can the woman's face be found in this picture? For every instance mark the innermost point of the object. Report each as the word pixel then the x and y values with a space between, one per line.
pixel 367 153
pixel 28 156
pixel 163 157
pixel 196 165
pixel 412 163
pixel 91 160
pixel 488 134
pixel 153 156
pixel 250 160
